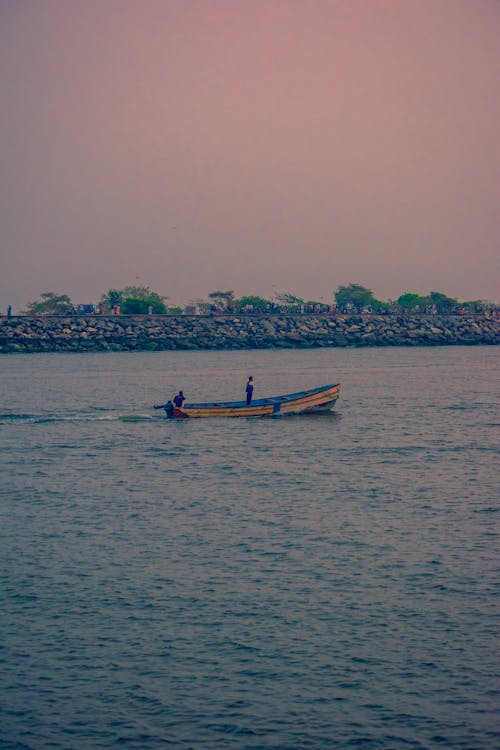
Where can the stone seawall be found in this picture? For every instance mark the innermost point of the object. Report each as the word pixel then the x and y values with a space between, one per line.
pixel 138 332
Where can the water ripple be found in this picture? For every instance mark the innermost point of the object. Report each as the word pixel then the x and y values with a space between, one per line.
pixel 304 583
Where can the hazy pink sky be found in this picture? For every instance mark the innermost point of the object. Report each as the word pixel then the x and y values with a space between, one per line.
pixel 252 145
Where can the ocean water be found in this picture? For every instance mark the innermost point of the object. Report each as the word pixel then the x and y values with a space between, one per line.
pixel 325 581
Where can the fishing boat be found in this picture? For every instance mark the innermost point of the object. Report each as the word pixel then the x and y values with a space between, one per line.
pixel 304 402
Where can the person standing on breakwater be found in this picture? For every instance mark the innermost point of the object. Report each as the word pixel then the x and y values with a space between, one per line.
pixel 249 390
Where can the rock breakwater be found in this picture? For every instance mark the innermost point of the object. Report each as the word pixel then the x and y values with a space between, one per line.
pixel 130 333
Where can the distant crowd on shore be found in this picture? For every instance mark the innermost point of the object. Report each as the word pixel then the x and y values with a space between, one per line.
pixel 353 299
pixel 272 309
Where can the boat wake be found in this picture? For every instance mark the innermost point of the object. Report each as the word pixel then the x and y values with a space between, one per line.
pixel 16 419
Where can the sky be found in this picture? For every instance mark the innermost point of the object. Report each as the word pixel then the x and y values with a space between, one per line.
pixel 258 146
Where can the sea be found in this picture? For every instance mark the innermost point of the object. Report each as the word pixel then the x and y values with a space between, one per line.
pixel 290 583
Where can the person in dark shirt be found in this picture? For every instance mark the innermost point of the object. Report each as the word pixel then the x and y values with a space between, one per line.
pixel 169 408
pixel 249 390
pixel 179 399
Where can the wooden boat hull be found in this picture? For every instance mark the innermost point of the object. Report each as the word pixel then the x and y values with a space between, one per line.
pixel 304 402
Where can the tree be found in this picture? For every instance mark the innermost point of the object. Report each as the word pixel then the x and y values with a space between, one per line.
pixel 112 298
pixel 51 304
pixel 356 297
pixel 137 301
pixel 288 300
pixel 222 300
pixel 442 302
pixel 257 304
pixel 134 300
pixel 410 300
pixel 204 307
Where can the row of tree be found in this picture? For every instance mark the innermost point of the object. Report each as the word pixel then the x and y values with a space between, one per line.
pixel 133 300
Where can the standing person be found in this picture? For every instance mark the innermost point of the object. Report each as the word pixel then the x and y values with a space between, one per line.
pixel 179 399
pixel 9 311
pixel 169 406
pixel 249 390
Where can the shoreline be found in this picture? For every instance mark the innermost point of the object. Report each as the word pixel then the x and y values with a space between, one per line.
pixel 94 333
